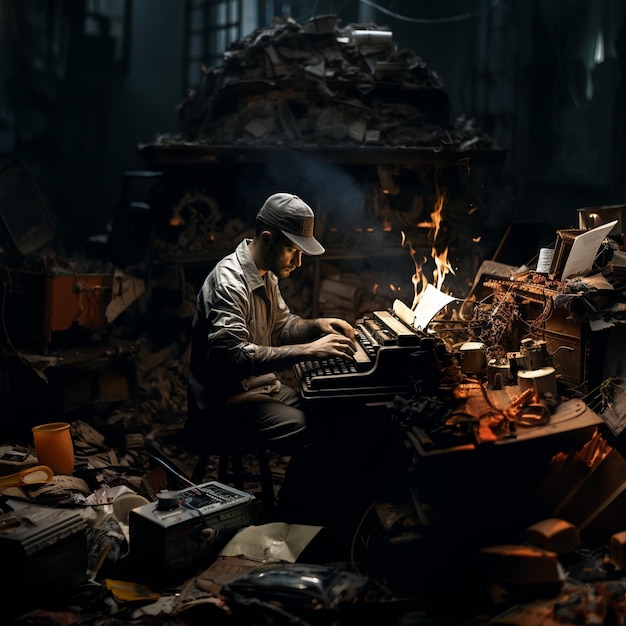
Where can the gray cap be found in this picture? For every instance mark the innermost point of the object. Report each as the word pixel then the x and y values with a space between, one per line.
pixel 294 218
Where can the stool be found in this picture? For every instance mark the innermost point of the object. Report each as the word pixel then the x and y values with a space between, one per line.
pixel 235 456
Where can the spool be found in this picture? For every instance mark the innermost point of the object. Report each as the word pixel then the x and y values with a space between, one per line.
pixel 499 374
pixel 373 37
pixel 542 380
pixel 472 354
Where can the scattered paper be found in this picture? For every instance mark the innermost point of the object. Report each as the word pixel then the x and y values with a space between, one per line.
pixel 493 268
pixel 596 281
pixel 544 261
pixel 126 289
pixel 584 249
pixel 601 324
pixel 614 414
pixel 271 543
pixel 126 591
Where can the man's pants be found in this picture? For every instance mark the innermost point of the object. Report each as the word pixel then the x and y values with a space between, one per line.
pixel 335 453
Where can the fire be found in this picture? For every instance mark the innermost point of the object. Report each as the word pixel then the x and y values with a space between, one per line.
pixel 442 265
pixel 442 268
pixel 437 215
pixel 418 278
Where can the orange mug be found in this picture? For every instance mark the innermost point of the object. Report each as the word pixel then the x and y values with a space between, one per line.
pixel 54 447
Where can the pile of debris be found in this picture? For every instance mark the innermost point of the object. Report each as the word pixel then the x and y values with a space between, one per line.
pixel 315 84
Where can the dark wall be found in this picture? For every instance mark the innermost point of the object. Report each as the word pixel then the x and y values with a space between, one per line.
pixel 573 155
pixel 75 122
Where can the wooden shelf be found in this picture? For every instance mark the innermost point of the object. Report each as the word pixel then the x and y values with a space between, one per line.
pixel 158 156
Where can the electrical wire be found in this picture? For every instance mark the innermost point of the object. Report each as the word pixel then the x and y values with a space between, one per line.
pixel 355 536
pixel 439 20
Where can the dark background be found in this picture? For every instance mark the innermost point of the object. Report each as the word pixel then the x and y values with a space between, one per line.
pixel 544 78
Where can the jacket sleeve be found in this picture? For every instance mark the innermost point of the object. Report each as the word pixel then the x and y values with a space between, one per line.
pixel 228 338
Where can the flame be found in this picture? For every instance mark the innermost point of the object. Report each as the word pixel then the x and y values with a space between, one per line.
pixel 418 279
pixel 442 268
pixel 442 265
pixel 437 215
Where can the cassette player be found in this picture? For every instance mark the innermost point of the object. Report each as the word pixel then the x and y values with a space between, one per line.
pixel 182 528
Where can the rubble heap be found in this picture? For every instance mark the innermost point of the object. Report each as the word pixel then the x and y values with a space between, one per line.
pixel 315 84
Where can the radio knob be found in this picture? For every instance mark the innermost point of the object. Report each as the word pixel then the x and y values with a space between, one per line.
pixel 167 501
pixel 207 534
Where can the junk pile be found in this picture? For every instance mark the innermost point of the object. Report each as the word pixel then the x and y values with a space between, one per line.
pixel 315 84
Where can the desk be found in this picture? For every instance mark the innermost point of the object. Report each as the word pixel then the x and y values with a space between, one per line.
pixel 572 417
pixel 487 493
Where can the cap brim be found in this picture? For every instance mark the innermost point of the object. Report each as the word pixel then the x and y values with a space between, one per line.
pixel 308 245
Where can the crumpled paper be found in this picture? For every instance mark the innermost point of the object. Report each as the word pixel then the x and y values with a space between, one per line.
pixel 125 290
pixel 60 488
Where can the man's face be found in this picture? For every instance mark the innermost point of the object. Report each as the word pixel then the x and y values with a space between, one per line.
pixel 283 257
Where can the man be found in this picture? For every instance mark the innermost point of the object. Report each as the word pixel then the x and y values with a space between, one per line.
pixel 243 332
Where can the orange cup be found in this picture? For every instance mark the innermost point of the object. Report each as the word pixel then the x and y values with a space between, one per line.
pixel 54 447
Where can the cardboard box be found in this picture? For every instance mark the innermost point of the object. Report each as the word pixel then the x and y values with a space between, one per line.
pixel 593 492
pixel 607 519
pixel 40 304
pixel 593 498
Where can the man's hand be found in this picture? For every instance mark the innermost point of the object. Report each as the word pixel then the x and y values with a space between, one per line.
pixel 333 344
pixel 338 339
pixel 335 325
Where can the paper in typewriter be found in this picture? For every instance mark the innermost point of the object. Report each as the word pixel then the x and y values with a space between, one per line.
pixel 431 302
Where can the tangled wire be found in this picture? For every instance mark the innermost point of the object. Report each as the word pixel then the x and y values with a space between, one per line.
pixel 491 324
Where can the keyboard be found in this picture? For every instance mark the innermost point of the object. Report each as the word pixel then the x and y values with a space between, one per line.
pixel 391 355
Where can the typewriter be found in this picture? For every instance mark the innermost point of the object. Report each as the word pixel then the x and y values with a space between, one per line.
pixel 391 357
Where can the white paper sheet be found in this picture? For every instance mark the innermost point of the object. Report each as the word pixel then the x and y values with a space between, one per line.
pixel 584 249
pixel 274 542
pixel 544 262
pixel 431 302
